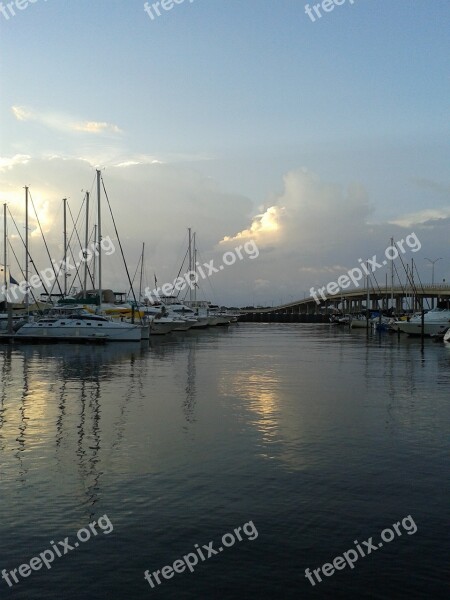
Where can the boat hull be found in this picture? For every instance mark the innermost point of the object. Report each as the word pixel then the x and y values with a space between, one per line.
pixel 415 328
pixel 157 328
pixel 113 333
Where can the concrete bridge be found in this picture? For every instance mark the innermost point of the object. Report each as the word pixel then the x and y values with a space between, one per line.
pixel 354 301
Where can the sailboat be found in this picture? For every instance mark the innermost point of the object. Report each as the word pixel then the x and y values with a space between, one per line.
pixel 205 313
pixel 73 322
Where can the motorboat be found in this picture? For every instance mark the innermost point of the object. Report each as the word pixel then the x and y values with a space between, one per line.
pixel 435 321
pixel 217 316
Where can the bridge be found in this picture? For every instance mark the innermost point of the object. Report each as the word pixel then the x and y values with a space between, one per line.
pixel 397 299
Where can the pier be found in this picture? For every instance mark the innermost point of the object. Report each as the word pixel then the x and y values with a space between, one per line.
pixel 397 299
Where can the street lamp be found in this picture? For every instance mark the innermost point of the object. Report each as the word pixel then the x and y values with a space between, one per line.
pixel 432 270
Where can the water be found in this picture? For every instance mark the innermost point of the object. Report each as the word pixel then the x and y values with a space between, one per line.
pixel 316 435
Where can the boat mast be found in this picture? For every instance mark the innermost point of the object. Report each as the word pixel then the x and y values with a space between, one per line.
pixel 190 265
pixel 392 277
pixel 65 246
pixel 142 270
pixel 367 297
pixel 86 241
pixel 94 268
pixel 194 261
pixel 27 300
pixel 5 278
pixel 99 222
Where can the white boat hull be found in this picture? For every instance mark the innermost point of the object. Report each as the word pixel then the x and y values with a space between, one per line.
pixel 415 328
pixel 161 328
pixel 201 323
pixel 117 332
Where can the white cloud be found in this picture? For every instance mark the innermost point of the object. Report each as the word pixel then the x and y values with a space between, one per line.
pixel 10 162
pixel 95 127
pixel 65 123
pixel 421 217
pixel 308 234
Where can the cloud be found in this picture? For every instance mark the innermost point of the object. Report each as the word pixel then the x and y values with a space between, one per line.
pixel 423 217
pixel 316 270
pixel 434 186
pixel 22 114
pixel 264 224
pixel 308 233
pixel 306 212
pixel 64 123
pixel 96 127
pixel 10 162
pixel 313 231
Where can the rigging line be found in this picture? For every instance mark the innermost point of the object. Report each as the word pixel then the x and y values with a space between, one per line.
pixel 134 276
pixel 209 281
pixel 77 274
pixel 410 279
pixel 179 273
pixel 379 290
pixel 401 285
pixel 45 243
pixel 75 223
pixel 23 275
pixel 91 275
pixel 378 286
pixel 422 288
pixel 17 260
pixel 29 255
pixel 120 243
pixel 182 245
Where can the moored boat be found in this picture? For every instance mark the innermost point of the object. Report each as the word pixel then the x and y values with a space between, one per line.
pixel 436 321
pixel 75 323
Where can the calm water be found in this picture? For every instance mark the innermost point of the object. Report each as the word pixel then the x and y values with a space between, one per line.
pixel 316 435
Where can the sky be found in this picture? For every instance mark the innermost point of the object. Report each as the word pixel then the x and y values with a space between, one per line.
pixel 244 120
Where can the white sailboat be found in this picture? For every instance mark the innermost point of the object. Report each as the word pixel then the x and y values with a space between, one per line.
pixel 74 322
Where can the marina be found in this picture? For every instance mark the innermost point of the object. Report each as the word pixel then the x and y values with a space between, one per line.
pixel 177 449
pixel 224 300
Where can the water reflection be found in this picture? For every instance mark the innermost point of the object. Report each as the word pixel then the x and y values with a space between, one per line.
pixel 259 391
pixel 55 393
pixel 190 389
